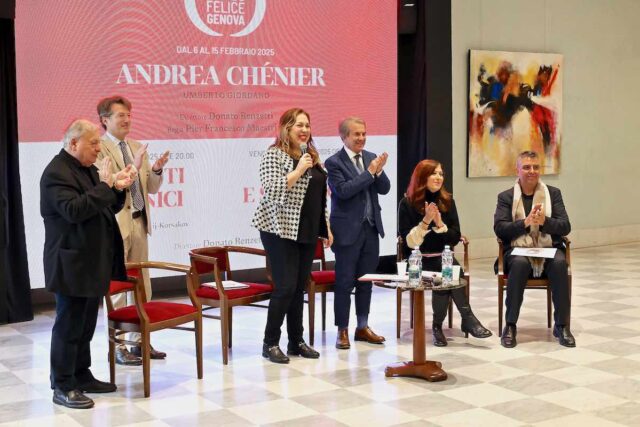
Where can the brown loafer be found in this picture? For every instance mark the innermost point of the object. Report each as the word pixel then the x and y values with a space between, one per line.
pixel 342 340
pixel 153 353
pixel 366 334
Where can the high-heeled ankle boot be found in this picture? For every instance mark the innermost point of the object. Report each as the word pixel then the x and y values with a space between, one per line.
pixel 470 324
pixel 439 340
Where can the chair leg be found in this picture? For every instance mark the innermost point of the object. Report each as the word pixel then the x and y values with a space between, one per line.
pixel 311 299
pixel 466 291
pixel 224 330
pixel 146 363
pixel 230 327
pixel 112 356
pixel 500 302
pixel 569 301
pixel 398 311
pixel 324 310
pixel 548 306
pixel 198 331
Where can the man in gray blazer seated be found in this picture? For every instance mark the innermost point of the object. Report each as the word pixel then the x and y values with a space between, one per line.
pixel 532 214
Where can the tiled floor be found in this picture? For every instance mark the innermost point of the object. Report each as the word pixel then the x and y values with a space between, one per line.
pixel 537 383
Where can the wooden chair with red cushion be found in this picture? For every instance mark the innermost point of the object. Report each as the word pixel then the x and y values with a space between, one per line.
pixel 537 283
pixel 215 260
pixel 321 281
pixel 146 316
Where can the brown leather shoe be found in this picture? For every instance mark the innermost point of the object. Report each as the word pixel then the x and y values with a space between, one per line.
pixel 342 340
pixel 366 334
pixel 154 354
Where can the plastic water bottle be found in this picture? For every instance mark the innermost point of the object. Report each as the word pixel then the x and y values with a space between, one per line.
pixel 415 268
pixel 447 266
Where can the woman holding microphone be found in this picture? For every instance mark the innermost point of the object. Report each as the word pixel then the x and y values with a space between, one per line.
pixel 291 216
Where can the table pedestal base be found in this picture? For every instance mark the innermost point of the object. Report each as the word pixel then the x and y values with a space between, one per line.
pixel 429 370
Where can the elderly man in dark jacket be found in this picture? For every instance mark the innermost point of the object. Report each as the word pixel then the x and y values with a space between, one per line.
pixel 83 251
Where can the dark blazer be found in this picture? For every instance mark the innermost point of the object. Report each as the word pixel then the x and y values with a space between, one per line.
pixel 507 229
pixel 83 248
pixel 348 199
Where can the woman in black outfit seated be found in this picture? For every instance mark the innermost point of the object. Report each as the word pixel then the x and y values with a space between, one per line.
pixel 291 216
pixel 427 218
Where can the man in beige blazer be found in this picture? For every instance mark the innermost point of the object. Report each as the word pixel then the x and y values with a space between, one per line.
pixel 134 219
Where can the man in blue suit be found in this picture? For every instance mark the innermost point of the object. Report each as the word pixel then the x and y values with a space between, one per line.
pixel 356 177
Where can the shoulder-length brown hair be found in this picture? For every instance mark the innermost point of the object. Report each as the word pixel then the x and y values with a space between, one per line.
pixel 418 186
pixel 286 122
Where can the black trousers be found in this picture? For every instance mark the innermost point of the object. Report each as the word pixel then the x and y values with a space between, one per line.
pixel 70 340
pixel 440 303
pixel 519 270
pixel 290 267
pixel 352 262
pixel 440 299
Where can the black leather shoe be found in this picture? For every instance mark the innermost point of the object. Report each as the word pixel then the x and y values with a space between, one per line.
pixel 508 338
pixel 274 354
pixel 564 336
pixel 155 354
pixel 97 386
pixel 471 325
pixel 439 340
pixel 123 357
pixel 302 349
pixel 73 399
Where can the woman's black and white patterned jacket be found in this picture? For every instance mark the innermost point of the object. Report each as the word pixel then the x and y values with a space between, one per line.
pixel 279 209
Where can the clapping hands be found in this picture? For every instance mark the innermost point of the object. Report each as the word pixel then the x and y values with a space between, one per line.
pixel 139 156
pixel 125 178
pixel 104 173
pixel 119 180
pixel 377 165
pixel 536 216
pixel 432 214
pixel 160 162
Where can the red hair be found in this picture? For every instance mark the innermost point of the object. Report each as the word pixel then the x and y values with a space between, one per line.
pixel 418 186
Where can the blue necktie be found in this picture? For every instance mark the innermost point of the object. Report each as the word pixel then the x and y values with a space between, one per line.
pixel 368 210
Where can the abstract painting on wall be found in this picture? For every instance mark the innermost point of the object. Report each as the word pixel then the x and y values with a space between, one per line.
pixel 515 104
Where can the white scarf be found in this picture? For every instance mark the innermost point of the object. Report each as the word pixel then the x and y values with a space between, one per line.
pixel 535 238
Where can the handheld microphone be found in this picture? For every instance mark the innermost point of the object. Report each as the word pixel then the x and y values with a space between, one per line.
pixel 303 151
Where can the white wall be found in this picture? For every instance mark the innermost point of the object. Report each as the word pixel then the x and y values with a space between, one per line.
pixel 600 160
